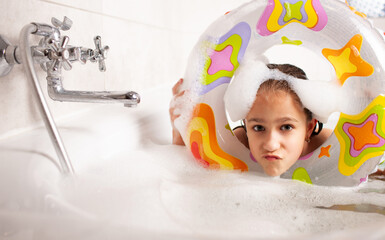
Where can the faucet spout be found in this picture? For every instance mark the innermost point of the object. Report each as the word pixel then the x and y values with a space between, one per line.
pixel 57 92
pixel 53 53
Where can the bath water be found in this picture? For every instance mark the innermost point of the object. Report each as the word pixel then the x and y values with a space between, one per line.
pixel 151 189
pixel 165 191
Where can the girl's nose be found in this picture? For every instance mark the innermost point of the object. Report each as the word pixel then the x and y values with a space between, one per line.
pixel 271 142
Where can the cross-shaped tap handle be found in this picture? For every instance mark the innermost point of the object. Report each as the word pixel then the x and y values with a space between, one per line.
pixel 100 53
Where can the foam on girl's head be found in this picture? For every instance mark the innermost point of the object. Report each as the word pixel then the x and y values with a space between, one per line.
pixel 314 65
pixel 242 90
pixel 315 95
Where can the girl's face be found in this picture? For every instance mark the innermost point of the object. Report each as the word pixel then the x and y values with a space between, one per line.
pixel 277 129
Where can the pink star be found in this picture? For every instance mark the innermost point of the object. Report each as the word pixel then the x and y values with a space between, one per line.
pixel 221 60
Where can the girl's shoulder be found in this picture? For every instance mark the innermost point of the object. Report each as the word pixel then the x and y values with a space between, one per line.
pixel 240 133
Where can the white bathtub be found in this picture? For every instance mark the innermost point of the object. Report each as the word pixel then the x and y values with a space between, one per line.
pixel 131 183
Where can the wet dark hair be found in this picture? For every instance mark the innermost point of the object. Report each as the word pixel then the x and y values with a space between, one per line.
pixel 289 70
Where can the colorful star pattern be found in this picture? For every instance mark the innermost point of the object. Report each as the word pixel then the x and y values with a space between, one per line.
pixel 204 146
pixel 220 60
pixel 301 174
pixel 324 152
pixel 279 13
pixel 218 64
pixel 286 40
pixel 223 57
pixel 347 61
pixel 361 136
pixel 293 11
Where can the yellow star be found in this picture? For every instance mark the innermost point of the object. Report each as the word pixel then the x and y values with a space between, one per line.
pixel 342 64
pixel 286 40
pixel 293 11
pixel 301 174
pixel 325 151
pixel 347 61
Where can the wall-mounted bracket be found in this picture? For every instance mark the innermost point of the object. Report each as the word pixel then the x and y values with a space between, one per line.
pixel 8 56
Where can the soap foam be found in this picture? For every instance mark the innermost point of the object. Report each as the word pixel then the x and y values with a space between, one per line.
pixel 156 190
pixel 166 191
pixel 321 97
pixel 241 92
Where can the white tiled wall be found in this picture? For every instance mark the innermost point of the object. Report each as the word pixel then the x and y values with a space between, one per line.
pixel 149 44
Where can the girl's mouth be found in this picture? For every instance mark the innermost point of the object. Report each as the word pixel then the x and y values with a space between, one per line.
pixel 271 158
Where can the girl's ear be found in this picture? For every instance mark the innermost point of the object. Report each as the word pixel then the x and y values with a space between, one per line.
pixel 310 128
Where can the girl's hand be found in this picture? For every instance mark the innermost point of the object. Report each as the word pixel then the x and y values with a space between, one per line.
pixel 176 136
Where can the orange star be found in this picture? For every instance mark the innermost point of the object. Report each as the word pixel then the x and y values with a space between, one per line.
pixel 347 61
pixel 325 151
pixel 363 135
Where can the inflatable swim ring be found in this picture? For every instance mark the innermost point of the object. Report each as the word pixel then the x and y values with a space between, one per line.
pixel 348 43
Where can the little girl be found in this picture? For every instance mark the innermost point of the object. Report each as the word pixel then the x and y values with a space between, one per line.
pixel 278 130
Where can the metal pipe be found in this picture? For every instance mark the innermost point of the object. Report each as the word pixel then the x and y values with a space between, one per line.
pixel 57 92
pixel 26 56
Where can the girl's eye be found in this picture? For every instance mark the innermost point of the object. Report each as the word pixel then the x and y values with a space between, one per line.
pixel 286 127
pixel 258 128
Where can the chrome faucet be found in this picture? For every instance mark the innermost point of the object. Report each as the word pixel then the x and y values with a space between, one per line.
pixel 53 53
